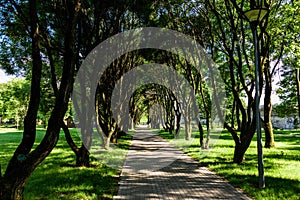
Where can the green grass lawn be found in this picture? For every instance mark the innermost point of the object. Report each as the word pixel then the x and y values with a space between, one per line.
pixel 281 165
pixel 57 177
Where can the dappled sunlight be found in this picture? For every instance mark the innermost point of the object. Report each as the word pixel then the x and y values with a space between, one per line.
pixel 57 177
pixel 155 166
pixel 281 165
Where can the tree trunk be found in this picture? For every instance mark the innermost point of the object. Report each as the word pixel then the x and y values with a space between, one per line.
pixel 108 139
pixel 206 146
pixel 238 120
pixel 21 166
pixel 106 143
pixel 201 131
pixel 69 139
pixel 13 182
pixel 25 160
pixel 82 153
pixel 233 115
pixel 114 138
pixel 267 122
pixel 269 136
pixel 267 80
pixel 178 117
pixel 188 127
pixel 12 191
pixel 82 157
pixel 239 153
pixel 132 124
pixel 242 144
pixel 298 94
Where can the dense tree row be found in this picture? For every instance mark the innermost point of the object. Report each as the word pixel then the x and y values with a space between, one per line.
pixel 48 41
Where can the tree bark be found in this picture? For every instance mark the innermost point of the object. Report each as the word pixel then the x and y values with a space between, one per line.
pixel 238 120
pixel 267 122
pixel 24 161
pixel 178 119
pixel 188 126
pixel 298 93
pixel 206 146
pixel 82 153
pixel 109 138
pixel 83 157
pixel 13 182
pixel 201 131
pixel 241 143
pixel 114 138
pixel 239 153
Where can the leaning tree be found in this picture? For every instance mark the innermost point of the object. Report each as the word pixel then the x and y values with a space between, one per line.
pixel 25 159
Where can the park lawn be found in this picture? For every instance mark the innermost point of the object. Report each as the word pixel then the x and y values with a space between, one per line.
pixel 57 177
pixel 281 164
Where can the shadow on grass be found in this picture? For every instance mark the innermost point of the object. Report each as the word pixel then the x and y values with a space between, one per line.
pixel 276 188
pixel 57 177
pixel 281 165
pixel 125 141
pixel 244 176
pixel 71 183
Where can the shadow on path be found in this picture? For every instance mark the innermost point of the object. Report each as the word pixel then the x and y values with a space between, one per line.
pixel 154 169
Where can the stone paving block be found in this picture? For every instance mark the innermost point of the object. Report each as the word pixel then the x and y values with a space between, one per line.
pixel 154 169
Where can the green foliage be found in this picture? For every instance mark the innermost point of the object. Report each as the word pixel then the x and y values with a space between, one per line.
pixel 14 98
pixel 47 100
pixel 287 92
pixel 286 108
pixel 14 43
pixel 229 41
pixel 287 28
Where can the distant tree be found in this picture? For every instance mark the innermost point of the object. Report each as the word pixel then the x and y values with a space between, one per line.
pixel 288 91
pixel 289 85
pixel 14 100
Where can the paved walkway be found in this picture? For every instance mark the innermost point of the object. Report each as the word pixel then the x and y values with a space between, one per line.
pixel 154 169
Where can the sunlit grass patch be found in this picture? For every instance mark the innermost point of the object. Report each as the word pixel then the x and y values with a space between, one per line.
pixel 9 130
pixel 58 178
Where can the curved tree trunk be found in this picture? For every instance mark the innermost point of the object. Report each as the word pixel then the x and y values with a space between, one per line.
pixel 19 169
pixel 238 120
pixel 24 160
pixel 82 157
pixel 82 153
pixel 243 144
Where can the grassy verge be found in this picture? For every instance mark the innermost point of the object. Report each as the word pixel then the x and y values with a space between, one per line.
pixel 57 177
pixel 281 165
